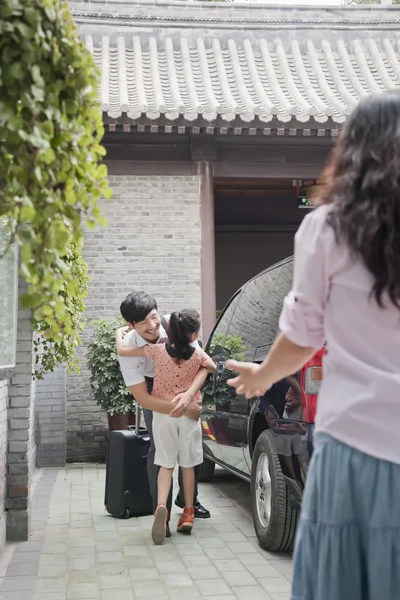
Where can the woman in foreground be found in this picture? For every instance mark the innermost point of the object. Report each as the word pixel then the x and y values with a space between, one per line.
pixel 346 293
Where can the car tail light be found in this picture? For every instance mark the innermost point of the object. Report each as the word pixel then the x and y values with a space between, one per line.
pixel 311 382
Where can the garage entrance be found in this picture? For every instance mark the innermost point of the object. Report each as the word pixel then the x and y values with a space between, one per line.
pixel 255 224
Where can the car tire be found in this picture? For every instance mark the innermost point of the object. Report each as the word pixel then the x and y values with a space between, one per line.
pixel 274 517
pixel 206 470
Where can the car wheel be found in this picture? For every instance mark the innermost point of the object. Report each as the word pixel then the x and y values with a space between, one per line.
pixel 206 470
pixel 274 518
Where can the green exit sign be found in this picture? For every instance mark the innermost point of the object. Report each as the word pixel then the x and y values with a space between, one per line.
pixel 304 202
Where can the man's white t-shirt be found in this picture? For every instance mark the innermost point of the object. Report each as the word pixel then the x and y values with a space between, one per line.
pixel 134 369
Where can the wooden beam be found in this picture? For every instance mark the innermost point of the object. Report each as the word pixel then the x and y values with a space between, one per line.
pixel 202 147
pixel 208 285
pixel 267 171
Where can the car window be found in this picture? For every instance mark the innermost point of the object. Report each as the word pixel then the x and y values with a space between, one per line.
pixel 278 283
pixel 217 339
pixel 245 326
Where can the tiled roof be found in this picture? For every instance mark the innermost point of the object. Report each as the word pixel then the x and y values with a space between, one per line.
pixel 259 74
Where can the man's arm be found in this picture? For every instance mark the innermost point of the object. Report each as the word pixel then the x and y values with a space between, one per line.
pixel 146 400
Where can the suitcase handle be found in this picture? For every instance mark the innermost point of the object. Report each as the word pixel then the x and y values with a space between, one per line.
pixel 137 421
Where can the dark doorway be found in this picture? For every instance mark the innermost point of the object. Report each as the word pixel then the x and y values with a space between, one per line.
pixel 255 223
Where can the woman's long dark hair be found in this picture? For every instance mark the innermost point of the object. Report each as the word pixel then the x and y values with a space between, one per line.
pixel 182 326
pixel 362 182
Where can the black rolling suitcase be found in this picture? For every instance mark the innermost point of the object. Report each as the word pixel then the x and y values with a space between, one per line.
pixel 127 487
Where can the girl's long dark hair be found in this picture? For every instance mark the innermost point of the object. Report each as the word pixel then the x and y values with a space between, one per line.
pixel 182 326
pixel 362 183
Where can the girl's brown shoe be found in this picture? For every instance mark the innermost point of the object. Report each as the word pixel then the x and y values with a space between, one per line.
pixel 185 524
pixel 159 529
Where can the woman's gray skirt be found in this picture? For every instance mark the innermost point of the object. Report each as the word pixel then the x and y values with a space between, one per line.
pixel 348 539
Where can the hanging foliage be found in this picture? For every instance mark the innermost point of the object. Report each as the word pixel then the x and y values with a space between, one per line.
pixel 51 176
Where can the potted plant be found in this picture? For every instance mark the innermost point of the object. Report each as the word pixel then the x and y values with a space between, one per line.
pixel 106 381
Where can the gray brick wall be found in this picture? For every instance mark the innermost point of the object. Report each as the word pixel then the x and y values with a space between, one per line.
pixel 152 242
pixel 3 459
pixel 21 432
pixel 50 419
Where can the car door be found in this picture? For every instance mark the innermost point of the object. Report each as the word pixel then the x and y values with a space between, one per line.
pixel 281 405
pixel 213 431
pixel 240 344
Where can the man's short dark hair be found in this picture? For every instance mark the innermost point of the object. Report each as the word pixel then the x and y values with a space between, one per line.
pixel 137 306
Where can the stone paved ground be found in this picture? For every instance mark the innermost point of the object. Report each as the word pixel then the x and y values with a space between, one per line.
pixel 77 552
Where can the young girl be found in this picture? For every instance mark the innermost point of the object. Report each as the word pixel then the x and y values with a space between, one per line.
pixel 176 439
pixel 346 292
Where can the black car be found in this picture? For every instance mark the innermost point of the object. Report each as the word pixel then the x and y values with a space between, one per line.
pixel 266 441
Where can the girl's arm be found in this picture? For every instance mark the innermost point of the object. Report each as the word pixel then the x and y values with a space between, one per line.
pixel 209 364
pixel 182 401
pixel 124 350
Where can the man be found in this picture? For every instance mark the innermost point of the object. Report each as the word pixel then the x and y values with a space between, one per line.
pixel 141 313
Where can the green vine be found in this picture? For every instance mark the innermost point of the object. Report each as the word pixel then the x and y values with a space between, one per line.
pixel 51 176
pixel 50 354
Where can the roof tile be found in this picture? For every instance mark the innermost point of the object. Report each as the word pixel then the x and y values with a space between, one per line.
pixel 253 79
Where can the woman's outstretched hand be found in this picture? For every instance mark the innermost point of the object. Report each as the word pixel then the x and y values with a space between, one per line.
pixel 250 380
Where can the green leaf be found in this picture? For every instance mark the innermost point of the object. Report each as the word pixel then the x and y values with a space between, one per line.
pixel 51 176
pixel 16 70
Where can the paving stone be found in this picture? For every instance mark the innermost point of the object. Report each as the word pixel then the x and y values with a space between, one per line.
pixel 78 591
pixel 197 560
pixel 120 594
pixel 109 557
pixel 118 582
pixel 114 569
pixel 177 580
pixel 226 565
pixel 139 562
pixel 285 567
pixel 88 576
pixel 250 593
pixel 82 552
pixel 80 564
pixel 239 578
pixel 241 547
pixel 17 569
pixel 86 555
pixel 263 571
pixel 50 560
pixel 80 532
pixel 173 566
pixel 25 557
pixel 213 587
pixel 183 594
pixel 216 553
pixel 47 585
pixel 202 572
pixel 30 546
pixel 52 571
pixel 143 574
pixel 20 595
pixel 54 548
pixel 275 584
pixel 252 558
pixel 17 584
pixel 51 596
pixel 148 589
pixel 81 542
